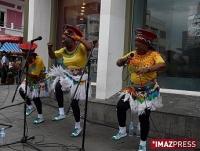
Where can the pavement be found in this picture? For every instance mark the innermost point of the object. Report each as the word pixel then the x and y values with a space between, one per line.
pixel 55 136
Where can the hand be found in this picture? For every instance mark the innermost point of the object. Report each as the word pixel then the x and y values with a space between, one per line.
pixel 142 70
pixel 128 59
pixel 124 61
pixel 74 37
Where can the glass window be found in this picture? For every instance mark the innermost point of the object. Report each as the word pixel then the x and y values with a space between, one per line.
pixel 177 24
pixel 2 18
pixel 85 15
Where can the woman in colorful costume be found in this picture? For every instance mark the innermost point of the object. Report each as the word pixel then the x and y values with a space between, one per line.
pixel 35 75
pixel 74 57
pixel 143 95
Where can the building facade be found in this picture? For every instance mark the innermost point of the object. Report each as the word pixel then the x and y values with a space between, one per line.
pixel 110 25
pixel 11 17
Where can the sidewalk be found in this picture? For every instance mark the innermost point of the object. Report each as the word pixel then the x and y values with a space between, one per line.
pixel 98 138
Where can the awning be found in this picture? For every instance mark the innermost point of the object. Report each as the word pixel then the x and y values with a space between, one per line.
pixel 10 47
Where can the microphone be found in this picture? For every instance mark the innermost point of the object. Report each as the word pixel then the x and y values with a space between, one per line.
pixel 132 54
pixel 36 39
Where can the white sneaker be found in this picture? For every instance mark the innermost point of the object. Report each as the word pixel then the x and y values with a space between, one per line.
pixel 38 120
pixel 76 132
pixel 59 117
pixel 142 148
pixel 29 111
pixel 119 135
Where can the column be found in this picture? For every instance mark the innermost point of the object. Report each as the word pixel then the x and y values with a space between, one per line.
pixel 111 45
pixel 39 25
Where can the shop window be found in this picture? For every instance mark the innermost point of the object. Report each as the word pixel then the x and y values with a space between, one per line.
pixel 85 15
pixel 162 34
pixel 177 23
pixel 2 18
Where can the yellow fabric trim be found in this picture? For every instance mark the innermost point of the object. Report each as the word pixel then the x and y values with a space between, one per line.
pixel 37 67
pixel 144 61
pixel 76 60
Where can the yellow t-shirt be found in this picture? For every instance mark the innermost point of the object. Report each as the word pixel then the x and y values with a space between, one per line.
pixel 75 60
pixel 37 67
pixel 142 61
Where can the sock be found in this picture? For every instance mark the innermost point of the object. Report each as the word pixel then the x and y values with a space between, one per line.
pixel 61 111
pixel 40 116
pixel 29 106
pixel 78 125
pixel 143 143
pixel 122 130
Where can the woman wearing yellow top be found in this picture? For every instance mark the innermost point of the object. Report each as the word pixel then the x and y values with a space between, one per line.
pixel 143 95
pixel 74 58
pixel 35 75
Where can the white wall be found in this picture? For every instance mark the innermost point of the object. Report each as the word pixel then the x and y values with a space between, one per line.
pixel 111 45
pixel 39 25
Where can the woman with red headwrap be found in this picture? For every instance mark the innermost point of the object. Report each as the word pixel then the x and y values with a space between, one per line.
pixel 143 95
pixel 73 54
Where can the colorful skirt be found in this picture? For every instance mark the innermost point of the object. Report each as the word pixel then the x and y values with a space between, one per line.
pixel 143 97
pixel 69 82
pixel 34 90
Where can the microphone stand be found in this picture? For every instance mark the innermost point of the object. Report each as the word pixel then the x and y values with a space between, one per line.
pixel 86 103
pixel 87 66
pixel 25 138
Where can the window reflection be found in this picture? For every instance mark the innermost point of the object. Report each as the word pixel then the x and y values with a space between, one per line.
pixel 177 24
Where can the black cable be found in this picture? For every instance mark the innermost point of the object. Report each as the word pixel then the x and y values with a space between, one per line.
pixel 152 121
pixel 11 105
pixel 7 126
pixel 58 145
pixel 6 118
pixel 13 148
pixel 6 97
pixel 10 122
pixel 42 140
pixel 27 130
pixel 23 147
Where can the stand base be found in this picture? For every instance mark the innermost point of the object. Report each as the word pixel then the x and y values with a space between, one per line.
pixel 24 141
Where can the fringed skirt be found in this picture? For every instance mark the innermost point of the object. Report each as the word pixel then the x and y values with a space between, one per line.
pixel 69 82
pixel 141 98
pixel 34 90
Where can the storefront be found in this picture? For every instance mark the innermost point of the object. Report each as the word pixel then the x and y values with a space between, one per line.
pixel 110 24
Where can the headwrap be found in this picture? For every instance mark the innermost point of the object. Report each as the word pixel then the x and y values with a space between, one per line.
pixel 71 30
pixel 26 47
pixel 145 36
